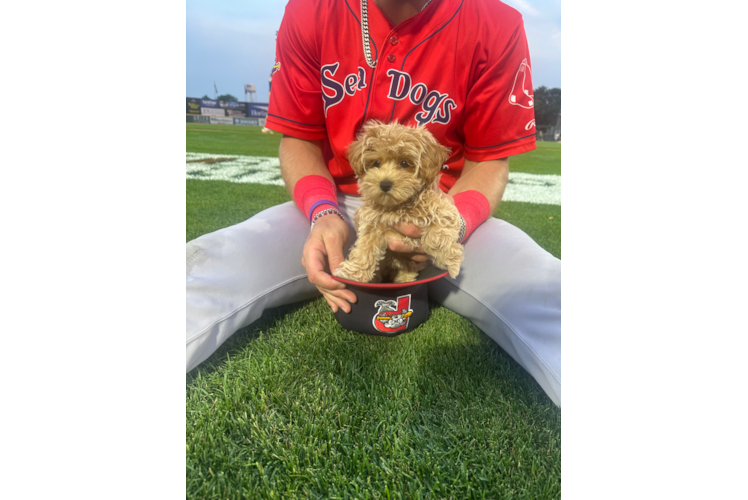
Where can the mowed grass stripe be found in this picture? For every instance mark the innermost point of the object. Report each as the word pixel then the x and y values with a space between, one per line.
pixel 231 139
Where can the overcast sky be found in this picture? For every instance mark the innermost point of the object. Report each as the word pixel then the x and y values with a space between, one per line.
pixel 232 42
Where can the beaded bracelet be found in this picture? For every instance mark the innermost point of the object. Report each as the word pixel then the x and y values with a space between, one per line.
pixel 463 229
pixel 321 202
pixel 326 211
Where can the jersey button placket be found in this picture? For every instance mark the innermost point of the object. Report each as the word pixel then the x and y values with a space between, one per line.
pixel 394 40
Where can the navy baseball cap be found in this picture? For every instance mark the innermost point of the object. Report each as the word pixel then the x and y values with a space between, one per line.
pixel 389 309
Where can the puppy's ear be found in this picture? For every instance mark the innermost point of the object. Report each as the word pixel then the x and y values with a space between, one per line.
pixel 355 155
pixel 432 158
pixel 369 132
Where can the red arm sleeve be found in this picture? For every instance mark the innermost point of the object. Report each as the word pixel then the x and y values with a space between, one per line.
pixel 499 110
pixel 296 107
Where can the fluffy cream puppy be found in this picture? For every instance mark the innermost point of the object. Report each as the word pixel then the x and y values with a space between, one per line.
pixel 397 169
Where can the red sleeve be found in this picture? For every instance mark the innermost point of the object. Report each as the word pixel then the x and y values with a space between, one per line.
pixel 296 106
pixel 499 110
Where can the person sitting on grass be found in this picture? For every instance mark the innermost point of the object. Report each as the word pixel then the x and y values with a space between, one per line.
pixel 460 68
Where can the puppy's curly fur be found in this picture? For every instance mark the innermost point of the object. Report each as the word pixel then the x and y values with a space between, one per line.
pixel 397 167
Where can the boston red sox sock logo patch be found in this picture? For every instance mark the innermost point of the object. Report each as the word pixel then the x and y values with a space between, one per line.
pixel 521 94
pixel 392 315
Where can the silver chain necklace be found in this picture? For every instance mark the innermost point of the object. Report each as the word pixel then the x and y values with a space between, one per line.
pixel 365 31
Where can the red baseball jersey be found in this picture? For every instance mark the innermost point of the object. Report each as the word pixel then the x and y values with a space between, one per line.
pixel 461 68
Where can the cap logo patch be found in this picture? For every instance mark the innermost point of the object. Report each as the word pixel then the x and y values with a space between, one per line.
pixel 392 316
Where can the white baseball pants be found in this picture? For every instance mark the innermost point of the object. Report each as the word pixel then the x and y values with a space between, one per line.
pixel 508 286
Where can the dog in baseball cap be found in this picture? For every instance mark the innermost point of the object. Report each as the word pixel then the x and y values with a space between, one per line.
pixel 397 168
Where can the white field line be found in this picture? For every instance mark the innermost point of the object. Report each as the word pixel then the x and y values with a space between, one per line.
pixel 530 188
pixel 247 169
pixel 533 188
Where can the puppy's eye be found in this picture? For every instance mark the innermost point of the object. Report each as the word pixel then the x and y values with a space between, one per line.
pixel 404 164
pixel 375 164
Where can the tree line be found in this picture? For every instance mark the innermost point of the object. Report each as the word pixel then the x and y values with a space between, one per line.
pixel 547 106
pixel 222 97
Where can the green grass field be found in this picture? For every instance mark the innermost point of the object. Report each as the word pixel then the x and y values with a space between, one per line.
pixel 296 407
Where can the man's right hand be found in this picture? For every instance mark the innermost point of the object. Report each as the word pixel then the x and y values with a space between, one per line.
pixel 323 253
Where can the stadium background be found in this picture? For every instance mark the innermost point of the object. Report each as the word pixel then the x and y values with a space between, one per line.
pixel 225 112
pixel 219 112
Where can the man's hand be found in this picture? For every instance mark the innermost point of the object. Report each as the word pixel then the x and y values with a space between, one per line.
pixel 323 250
pixel 323 253
pixel 411 230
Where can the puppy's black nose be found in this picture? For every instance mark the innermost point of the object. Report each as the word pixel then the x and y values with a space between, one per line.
pixel 385 185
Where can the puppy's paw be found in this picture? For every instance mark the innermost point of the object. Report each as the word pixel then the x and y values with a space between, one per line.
pixel 344 270
pixel 453 268
pixel 350 271
pixel 393 236
pixel 449 258
pixel 404 276
pixel 455 260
